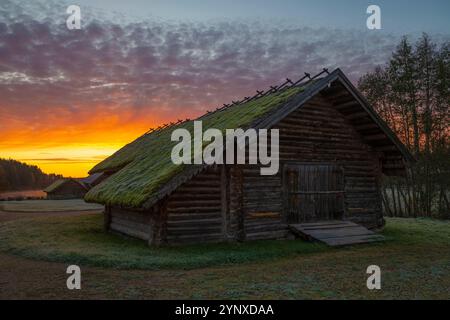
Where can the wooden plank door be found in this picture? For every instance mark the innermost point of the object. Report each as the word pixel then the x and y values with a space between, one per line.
pixel 313 192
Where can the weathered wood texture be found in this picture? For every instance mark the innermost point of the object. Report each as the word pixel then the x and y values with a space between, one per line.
pixel 335 233
pixel 69 190
pixel 313 192
pixel 132 223
pixel 262 212
pixel 194 211
pixel 393 161
pixel 316 133
pixel 107 218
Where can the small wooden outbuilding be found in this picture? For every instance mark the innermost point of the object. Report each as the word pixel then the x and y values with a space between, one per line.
pixel 64 189
pixel 334 149
pixel 73 188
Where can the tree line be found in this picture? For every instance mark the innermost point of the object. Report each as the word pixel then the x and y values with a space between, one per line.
pixel 15 175
pixel 412 94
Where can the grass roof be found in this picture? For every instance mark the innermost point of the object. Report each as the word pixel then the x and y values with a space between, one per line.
pixel 55 185
pixel 145 164
pixel 58 183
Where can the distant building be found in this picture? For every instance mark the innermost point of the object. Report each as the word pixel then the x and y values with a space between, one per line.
pixel 66 189
pixel 72 188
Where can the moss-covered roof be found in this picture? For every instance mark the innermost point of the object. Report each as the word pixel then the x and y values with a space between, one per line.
pixel 55 185
pixel 145 164
pixel 58 183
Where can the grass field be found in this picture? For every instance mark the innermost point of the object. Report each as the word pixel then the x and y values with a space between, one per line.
pixel 80 239
pixel 48 205
pixel 414 263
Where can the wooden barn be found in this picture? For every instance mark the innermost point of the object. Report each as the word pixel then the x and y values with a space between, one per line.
pixel 333 151
pixel 64 189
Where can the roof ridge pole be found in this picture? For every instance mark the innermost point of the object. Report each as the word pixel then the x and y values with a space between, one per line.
pixel 272 89
pixel 283 85
pixel 291 83
pixel 300 80
pixel 258 93
pixel 308 75
pixel 320 73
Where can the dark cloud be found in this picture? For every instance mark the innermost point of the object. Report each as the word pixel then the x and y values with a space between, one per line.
pixel 173 68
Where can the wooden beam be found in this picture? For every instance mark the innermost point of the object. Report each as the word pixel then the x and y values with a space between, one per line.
pixel 350 104
pixel 376 137
pixel 259 215
pixel 240 199
pixel 158 223
pixel 357 116
pixel 107 219
pixel 367 126
pixel 341 93
pixel 224 182
pixel 393 158
pixel 391 166
pixel 387 148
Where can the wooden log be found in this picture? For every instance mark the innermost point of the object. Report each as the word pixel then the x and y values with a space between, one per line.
pixel 239 210
pixel 224 181
pixel 271 235
pixel 376 137
pixel 195 221
pixel 130 231
pixel 107 219
pixel 345 105
pixel 131 224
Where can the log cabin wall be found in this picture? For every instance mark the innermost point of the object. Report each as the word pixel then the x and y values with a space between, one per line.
pixel 235 229
pixel 132 223
pixel 316 132
pixel 194 210
pixel 262 205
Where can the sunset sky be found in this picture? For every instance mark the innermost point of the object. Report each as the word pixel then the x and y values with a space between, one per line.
pixel 70 98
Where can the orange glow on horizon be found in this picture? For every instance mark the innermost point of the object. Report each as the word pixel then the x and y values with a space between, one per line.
pixel 72 148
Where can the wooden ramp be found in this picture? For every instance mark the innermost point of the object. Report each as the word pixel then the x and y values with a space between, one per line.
pixel 335 233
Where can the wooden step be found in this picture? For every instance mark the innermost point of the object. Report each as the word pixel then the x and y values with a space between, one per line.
pixel 335 233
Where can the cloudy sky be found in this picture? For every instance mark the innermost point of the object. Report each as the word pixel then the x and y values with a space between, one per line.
pixel 69 98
